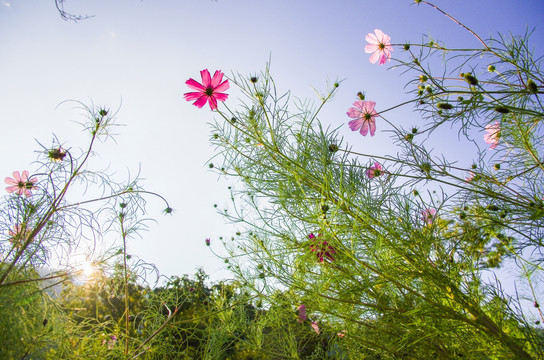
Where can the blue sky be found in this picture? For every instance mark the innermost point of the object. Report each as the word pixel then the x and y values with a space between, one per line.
pixel 137 55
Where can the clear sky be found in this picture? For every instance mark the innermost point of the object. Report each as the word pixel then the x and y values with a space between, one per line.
pixel 137 55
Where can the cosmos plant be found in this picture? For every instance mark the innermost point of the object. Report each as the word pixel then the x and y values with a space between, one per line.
pixel 392 256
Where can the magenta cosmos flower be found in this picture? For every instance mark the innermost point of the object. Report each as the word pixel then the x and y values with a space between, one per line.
pixel 322 249
pixel 302 313
pixel 21 184
pixel 379 46
pixel 493 134
pixel 209 91
pixel 364 117
pixel 374 171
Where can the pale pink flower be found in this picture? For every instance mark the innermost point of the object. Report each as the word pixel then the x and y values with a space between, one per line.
pixel 493 134
pixel 18 234
pixel 374 171
pixel 315 327
pixel 110 342
pixel 302 313
pixel 469 177
pixel 364 117
pixel 21 184
pixel 380 47
pixel 428 215
pixel 341 334
pixel 209 91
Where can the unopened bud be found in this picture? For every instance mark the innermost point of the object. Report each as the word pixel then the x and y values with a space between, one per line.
pixel 532 87
pixel 444 106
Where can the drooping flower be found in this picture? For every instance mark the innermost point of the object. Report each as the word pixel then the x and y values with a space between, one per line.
pixel 364 117
pixel 20 184
pixel 374 171
pixel 208 241
pixel 211 89
pixel 379 46
pixel 57 154
pixel 322 249
pixel 493 134
pixel 428 215
pixel 302 313
pixel 315 327
pixel 18 235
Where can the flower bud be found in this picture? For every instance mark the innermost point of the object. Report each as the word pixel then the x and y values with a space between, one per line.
pixel 491 68
pixel 253 79
pixel 502 109
pixel 470 79
pixel 444 106
pixel 532 87
pixel 360 95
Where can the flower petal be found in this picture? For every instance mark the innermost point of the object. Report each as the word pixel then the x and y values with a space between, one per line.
pixel 370 48
pixel 195 85
pixel 221 96
pixel 364 128
pixel 206 79
pixel 11 181
pixel 217 77
pixel 372 125
pixel 11 189
pixel 371 38
pixel 374 57
pixel 354 125
pixel 222 87
pixel 193 96
pixel 213 102
pixel 201 101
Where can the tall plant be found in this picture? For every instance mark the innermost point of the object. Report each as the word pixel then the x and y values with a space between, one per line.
pixel 396 253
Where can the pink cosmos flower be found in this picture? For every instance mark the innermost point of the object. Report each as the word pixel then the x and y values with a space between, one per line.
pixel 493 134
pixel 341 334
pixel 322 249
pixel 380 47
pixel 374 171
pixel 428 215
pixel 302 313
pixel 18 235
pixel 21 184
pixel 209 91
pixel 315 327
pixel 470 177
pixel 364 117
pixel 110 342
